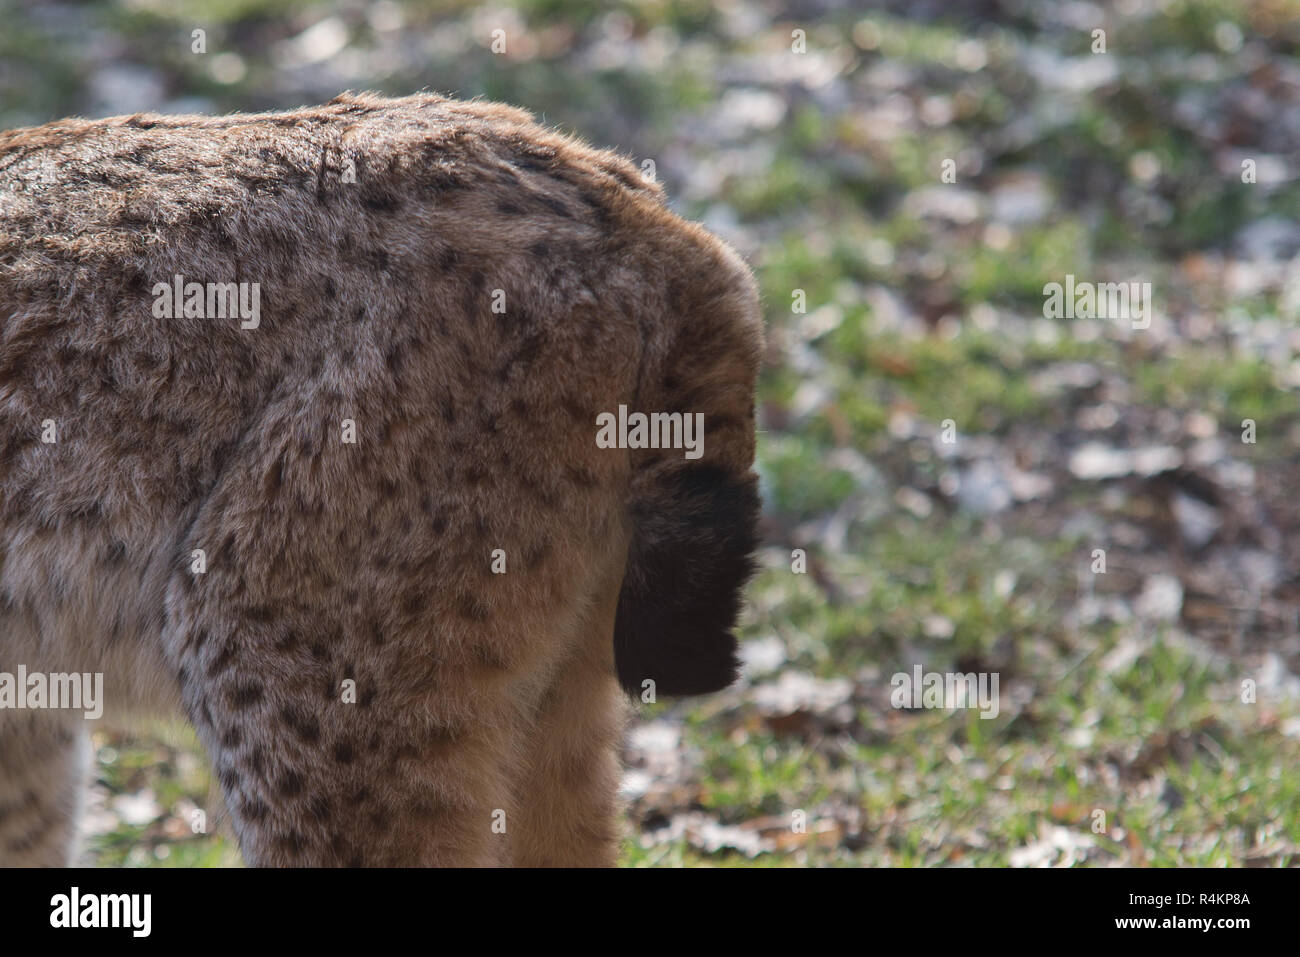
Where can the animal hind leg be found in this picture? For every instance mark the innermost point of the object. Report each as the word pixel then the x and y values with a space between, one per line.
pixel 331 753
pixel 43 761
pixel 568 791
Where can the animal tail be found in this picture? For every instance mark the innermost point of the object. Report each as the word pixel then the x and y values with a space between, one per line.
pixel 694 512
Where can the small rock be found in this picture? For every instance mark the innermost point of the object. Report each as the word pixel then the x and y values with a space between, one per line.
pixel 1161 599
pixel 798 691
pixel 762 656
pixel 655 737
pixel 948 203
pixel 137 809
pixel 914 501
pixel 1021 200
pixel 1094 462
pixel 938 626
pixel 1197 521
pixel 983 489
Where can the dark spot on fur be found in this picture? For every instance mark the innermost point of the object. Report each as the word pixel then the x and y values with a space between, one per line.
pixel 574 409
pixel 245 695
pixel 305 726
pixel 275 477
pixel 223 659
pixel 547 495
pixel 490 657
pixel 261 614
pixel 598 210
pixel 536 553
pixel 29 800
pixel 381 202
pixel 290 785
pixel 555 206
pixel 468 606
pixel 291 843
pixel 579 476
pixel 395 357
pixel 523 356
pixel 532 163
pixel 405 752
pixel 447 259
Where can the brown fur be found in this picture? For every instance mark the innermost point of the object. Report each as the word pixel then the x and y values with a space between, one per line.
pixel 476 692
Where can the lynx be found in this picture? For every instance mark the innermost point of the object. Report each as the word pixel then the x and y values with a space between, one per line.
pixel 298 438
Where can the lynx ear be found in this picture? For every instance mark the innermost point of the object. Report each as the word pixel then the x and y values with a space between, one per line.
pixel 691 554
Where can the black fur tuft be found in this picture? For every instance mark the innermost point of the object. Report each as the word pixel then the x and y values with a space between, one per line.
pixel 691 553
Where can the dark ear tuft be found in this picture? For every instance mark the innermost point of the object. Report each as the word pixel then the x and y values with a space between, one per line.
pixel 691 553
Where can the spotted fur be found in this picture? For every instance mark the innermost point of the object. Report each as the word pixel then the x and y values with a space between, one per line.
pixel 380 232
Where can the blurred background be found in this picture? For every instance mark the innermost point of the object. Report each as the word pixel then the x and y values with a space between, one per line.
pixel 1150 713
